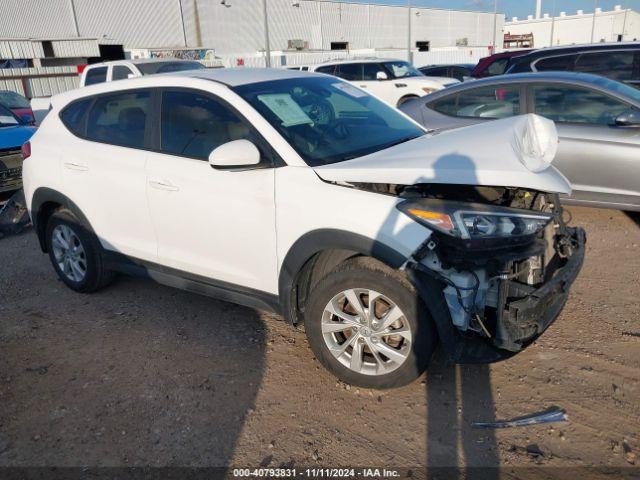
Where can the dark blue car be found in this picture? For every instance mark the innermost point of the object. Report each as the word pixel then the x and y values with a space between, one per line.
pixel 14 132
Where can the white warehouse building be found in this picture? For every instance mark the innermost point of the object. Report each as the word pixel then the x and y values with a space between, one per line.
pixel 237 26
pixel 567 29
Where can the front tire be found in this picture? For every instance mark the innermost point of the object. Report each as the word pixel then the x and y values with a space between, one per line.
pixel 368 326
pixel 75 253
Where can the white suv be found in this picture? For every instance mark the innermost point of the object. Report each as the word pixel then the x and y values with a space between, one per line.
pixel 393 81
pixel 298 193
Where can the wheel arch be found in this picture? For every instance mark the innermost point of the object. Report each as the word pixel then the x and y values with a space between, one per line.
pixel 315 254
pixel 46 201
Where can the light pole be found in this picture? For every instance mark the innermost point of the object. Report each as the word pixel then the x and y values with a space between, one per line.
pixel 409 59
pixel 495 23
pixel 267 48
pixel 553 22
pixel 624 22
pixel 593 24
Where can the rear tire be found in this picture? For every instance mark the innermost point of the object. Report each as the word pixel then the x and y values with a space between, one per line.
pixel 364 349
pixel 75 253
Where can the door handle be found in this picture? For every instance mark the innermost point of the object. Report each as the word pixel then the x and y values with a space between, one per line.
pixel 161 184
pixel 76 166
pixel 363 86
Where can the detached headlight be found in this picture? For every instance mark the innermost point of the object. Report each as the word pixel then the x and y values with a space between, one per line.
pixel 469 221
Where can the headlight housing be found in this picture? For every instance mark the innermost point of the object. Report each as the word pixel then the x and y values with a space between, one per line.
pixel 477 224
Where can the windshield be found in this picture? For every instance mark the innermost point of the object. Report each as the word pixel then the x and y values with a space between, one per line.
pixel 327 120
pixel 8 119
pixel 400 69
pixel 150 68
pixel 13 100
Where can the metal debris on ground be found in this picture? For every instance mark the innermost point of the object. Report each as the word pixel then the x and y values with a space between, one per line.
pixel 548 416
pixel 14 216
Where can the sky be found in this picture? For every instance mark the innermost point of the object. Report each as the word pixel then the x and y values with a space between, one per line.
pixel 516 8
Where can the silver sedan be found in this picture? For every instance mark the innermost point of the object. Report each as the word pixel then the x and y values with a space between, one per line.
pixel 598 122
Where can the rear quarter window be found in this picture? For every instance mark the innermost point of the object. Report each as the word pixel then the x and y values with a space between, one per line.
pixel 95 75
pixel 556 64
pixel 119 118
pixel 73 115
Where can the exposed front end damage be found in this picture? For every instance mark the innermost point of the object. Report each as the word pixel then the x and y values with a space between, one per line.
pixel 492 299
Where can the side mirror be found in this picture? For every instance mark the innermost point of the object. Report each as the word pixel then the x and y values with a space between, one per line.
pixel 382 76
pixel 238 154
pixel 131 75
pixel 630 118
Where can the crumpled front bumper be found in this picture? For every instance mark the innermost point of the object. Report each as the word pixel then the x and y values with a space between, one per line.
pixel 525 319
pixel 525 312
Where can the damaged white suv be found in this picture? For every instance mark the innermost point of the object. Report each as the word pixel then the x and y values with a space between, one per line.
pixel 299 193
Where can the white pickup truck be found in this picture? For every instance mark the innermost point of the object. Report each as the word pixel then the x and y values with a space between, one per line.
pixel 118 70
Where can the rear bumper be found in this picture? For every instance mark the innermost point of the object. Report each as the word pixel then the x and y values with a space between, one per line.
pixel 525 312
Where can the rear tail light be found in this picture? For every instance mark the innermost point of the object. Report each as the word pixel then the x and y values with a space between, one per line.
pixel 26 150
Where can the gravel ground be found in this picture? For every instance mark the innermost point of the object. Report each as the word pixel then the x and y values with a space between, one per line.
pixel 140 374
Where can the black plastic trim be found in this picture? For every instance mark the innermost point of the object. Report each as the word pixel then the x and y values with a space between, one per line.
pixel 217 289
pixel 44 195
pixel 317 241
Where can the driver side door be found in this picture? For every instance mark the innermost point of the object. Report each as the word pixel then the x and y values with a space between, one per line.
pixel 216 224
pixel 599 158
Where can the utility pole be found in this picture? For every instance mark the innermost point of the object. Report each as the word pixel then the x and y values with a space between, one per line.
pixel 267 48
pixel 553 22
pixel 409 59
pixel 495 24
pixel 593 24
pixel 624 22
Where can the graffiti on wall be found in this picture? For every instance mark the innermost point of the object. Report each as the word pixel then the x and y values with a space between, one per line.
pixel 184 54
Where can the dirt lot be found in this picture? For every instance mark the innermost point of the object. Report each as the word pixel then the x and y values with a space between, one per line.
pixel 140 374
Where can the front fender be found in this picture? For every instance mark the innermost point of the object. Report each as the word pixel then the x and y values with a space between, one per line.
pixel 321 240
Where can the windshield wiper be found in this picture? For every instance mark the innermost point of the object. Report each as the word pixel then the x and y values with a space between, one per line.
pixel 398 142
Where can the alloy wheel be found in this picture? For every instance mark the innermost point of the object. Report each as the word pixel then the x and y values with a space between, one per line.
pixel 366 331
pixel 69 253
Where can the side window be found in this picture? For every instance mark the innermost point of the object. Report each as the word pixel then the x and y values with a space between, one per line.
pixel 73 116
pixel 615 65
pixel 435 72
pixel 194 124
pixel 96 75
pixel 485 102
pixel 350 71
pixel 555 64
pixel 370 71
pixel 576 105
pixel 496 68
pixel 119 118
pixel 329 69
pixel 120 72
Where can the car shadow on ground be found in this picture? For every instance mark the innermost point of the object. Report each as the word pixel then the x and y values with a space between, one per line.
pixel 154 380
pixel 634 216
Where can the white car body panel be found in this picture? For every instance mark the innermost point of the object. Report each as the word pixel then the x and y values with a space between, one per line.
pixel 477 155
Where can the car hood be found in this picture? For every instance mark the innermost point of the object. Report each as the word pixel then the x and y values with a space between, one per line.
pixel 14 136
pixel 513 152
